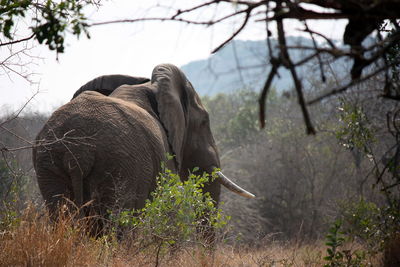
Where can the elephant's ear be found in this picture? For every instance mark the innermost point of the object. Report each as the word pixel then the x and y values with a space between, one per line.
pixel 106 84
pixel 172 103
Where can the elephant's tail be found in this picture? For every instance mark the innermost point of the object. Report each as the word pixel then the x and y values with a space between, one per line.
pixel 52 180
pixel 62 166
pixel 78 163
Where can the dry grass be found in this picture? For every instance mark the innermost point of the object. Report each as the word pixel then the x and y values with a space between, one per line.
pixel 35 241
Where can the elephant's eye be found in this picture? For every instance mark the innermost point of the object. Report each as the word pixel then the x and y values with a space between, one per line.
pixel 204 122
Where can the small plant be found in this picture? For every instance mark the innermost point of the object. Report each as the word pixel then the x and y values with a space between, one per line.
pixel 361 221
pixel 11 193
pixel 334 242
pixel 178 212
pixel 337 256
pixel 375 227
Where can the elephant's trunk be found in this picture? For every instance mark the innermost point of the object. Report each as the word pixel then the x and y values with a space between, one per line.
pixel 225 181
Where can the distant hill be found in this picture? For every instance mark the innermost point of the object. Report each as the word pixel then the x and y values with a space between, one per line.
pixel 242 64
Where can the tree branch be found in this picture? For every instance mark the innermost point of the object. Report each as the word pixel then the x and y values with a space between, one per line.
pixel 248 13
pixel 347 86
pixel 18 41
pixel 264 93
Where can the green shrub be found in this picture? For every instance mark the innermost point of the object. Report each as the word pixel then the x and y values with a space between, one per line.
pixel 365 222
pixel 12 184
pixel 362 222
pixel 337 255
pixel 178 212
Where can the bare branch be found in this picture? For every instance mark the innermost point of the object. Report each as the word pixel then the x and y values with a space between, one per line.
pixel 286 61
pixel 323 78
pixel 206 4
pixel 264 93
pixel 207 23
pixel 347 86
pixel 246 19
pixel 18 41
pixel 15 135
pixel 13 117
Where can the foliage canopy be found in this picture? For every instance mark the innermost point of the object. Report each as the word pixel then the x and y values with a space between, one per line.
pixel 49 20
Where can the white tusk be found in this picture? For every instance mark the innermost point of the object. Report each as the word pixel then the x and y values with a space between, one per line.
pixel 233 187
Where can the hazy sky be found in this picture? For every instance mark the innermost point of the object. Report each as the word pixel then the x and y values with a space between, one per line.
pixel 132 49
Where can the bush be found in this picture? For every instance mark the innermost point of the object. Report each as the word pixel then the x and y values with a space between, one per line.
pixel 12 188
pixel 178 213
pixel 370 224
pixel 362 221
pixel 337 255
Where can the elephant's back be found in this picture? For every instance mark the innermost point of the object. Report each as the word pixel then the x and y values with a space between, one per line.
pixel 93 113
pixel 113 126
pixel 108 140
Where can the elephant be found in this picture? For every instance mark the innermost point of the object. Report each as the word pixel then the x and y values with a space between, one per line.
pixel 107 144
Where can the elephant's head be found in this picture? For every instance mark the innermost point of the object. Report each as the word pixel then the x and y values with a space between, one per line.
pixel 188 126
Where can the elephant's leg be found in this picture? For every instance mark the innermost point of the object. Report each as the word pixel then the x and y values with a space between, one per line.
pixel 55 190
pixel 99 199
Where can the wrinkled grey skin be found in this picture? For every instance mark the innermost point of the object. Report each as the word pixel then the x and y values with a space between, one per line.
pixel 109 148
pixel 106 84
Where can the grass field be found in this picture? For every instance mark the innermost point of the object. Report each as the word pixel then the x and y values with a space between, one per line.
pixel 32 240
